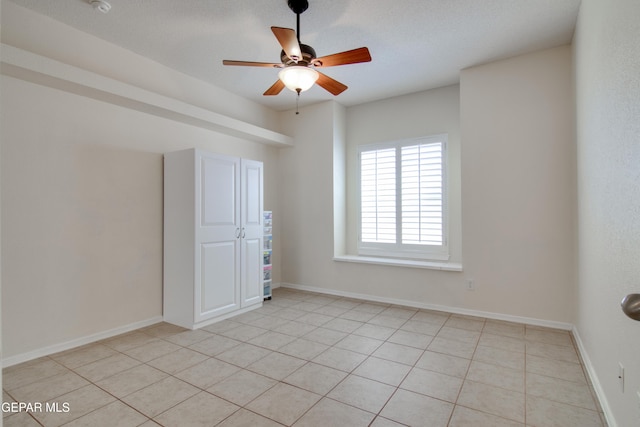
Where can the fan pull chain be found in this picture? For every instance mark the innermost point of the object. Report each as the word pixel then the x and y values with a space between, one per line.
pixel 297 99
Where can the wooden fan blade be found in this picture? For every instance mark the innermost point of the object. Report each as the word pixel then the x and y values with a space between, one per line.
pixel 289 42
pixel 275 89
pixel 251 64
pixel 330 85
pixel 348 57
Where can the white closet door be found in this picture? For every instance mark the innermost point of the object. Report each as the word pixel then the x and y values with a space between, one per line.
pixel 218 228
pixel 252 232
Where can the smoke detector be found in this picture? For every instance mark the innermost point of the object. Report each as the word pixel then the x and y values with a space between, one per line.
pixel 101 6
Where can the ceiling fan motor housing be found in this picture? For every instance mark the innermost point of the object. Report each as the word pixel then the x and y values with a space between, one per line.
pixel 308 55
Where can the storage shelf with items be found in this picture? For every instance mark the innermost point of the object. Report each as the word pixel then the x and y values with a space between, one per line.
pixel 268 251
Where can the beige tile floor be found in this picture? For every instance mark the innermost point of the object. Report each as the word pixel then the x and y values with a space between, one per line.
pixel 307 359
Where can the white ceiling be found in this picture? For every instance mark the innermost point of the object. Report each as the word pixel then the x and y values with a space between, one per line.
pixel 415 44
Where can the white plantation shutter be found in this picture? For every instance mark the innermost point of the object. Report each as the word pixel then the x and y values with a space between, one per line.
pixel 402 199
pixel 378 195
pixel 422 194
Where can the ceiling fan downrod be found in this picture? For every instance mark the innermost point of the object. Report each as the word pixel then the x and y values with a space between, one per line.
pixel 298 6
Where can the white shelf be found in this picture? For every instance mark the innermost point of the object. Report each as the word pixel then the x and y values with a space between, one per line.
pixel 267 253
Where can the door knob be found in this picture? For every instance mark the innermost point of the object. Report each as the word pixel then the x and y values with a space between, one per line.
pixel 631 306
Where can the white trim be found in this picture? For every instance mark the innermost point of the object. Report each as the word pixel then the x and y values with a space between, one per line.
pixel 400 262
pixel 595 381
pixel 447 309
pixel 34 68
pixel 45 351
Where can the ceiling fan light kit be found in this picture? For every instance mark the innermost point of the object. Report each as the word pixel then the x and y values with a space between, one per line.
pixel 298 78
pixel 299 61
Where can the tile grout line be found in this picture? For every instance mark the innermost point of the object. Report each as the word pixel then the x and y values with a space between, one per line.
pixel 306 360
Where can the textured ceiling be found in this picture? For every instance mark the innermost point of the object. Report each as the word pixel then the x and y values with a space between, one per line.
pixel 415 44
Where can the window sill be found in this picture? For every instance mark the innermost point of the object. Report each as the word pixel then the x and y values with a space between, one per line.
pixel 430 265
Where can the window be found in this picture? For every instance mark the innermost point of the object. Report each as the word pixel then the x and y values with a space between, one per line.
pixel 403 199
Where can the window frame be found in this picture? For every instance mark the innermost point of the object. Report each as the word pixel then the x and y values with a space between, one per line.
pixel 398 249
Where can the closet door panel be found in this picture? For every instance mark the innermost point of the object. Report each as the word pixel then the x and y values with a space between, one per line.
pixel 218 191
pixel 252 193
pixel 252 271
pixel 252 232
pixel 217 293
pixel 217 236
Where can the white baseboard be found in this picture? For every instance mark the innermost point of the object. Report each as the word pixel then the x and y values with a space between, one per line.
pixel 45 351
pixel 447 309
pixel 595 381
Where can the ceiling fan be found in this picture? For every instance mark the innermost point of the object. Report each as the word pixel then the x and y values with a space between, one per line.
pixel 299 61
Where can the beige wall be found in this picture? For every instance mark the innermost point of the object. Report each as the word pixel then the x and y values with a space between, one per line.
pixel 517 191
pixel 82 232
pixel 1 347
pixel 607 64
pixel 306 193
pixel 82 207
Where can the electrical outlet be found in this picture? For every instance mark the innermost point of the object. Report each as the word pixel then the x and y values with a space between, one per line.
pixel 621 376
pixel 471 285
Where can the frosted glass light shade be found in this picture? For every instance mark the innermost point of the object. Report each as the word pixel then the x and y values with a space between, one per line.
pixel 298 78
